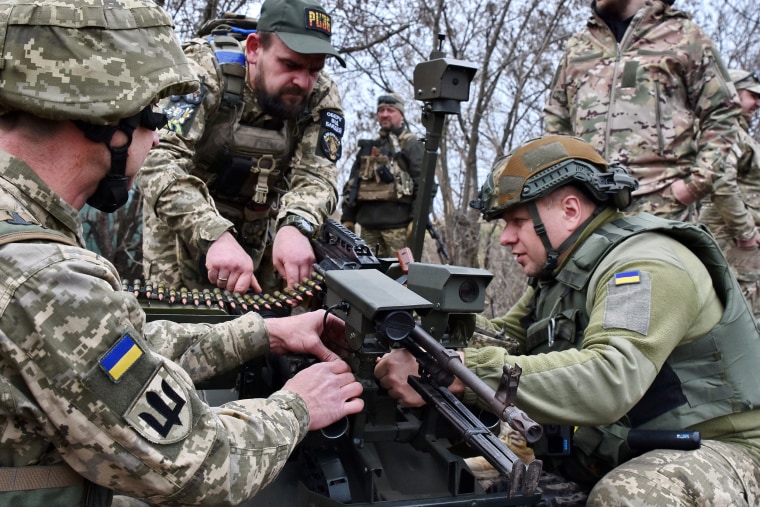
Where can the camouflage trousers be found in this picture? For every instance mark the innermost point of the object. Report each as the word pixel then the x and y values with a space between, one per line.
pixel 718 474
pixel 387 242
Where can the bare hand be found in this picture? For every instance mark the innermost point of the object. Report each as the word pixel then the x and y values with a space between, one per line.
pixel 749 244
pixel 329 390
pixel 229 266
pixel 392 371
pixel 292 255
pixel 304 334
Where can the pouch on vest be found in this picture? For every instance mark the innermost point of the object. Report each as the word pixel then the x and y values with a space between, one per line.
pixel 554 333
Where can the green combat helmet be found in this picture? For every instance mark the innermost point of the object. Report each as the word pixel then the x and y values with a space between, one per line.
pixel 543 165
pixel 99 63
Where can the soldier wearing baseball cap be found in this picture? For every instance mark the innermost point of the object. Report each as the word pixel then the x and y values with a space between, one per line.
pixel 96 400
pixel 240 184
pixel 302 25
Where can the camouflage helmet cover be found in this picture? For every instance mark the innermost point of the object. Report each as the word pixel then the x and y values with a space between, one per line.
pixel 542 165
pixel 98 61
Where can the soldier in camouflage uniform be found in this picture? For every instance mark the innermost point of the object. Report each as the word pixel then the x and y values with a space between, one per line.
pixel 247 171
pixel 744 261
pixel 646 87
pixel 379 194
pixel 629 322
pixel 91 400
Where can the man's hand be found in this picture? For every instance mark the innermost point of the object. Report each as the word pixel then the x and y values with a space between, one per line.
pixel 292 255
pixel 749 244
pixel 392 371
pixel 329 390
pixel 308 333
pixel 229 266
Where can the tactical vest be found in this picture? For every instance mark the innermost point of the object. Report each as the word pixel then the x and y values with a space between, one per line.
pixel 692 386
pixel 53 484
pixel 383 175
pixel 245 165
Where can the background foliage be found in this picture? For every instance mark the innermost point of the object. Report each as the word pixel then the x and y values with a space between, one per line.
pixel 515 45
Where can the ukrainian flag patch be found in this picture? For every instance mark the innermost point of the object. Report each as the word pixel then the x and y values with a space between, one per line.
pixel 121 357
pixel 627 277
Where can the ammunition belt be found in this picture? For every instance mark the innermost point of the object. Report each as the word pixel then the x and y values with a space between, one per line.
pixel 157 297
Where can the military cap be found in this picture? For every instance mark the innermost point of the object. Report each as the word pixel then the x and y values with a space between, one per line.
pixel 98 61
pixel 744 80
pixel 302 25
pixel 393 100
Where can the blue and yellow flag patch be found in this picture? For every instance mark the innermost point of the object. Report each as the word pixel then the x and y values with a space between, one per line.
pixel 627 277
pixel 122 356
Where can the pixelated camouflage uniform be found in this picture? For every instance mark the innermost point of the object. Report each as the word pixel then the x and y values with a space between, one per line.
pixel 661 103
pixel 144 432
pixel 384 209
pixel 184 207
pixel 596 348
pixel 745 263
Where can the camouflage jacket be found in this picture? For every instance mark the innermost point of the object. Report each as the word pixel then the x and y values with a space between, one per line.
pixel 749 183
pixel 183 201
pixel 87 381
pixel 660 102
pixel 369 201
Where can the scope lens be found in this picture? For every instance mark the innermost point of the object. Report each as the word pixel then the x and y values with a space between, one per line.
pixel 468 292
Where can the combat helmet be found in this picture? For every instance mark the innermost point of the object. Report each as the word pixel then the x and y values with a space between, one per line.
pixel 99 63
pixel 540 166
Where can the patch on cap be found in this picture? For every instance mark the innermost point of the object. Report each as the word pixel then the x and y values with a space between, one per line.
pixel 317 20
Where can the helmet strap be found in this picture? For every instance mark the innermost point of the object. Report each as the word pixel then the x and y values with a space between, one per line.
pixel 553 254
pixel 112 192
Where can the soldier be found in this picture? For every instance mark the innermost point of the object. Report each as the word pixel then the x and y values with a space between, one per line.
pixel 646 87
pixel 629 322
pixel 744 261
pixel 247 170
pixel 93 401
pixel 379 194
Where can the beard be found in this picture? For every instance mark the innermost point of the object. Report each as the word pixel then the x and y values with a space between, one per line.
pixel 611 9
pixel 273 103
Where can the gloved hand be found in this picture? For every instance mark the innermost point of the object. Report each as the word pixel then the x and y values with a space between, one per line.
pixel 350 226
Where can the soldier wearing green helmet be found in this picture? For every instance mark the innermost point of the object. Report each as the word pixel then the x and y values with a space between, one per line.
pixel 630 322
pixel 95 400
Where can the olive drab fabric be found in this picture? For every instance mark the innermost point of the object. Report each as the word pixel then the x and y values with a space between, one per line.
pixel 387 169
pixel 225 165
pixel 661 103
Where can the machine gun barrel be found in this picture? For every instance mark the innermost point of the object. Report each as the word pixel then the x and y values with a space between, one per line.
pixel 450 361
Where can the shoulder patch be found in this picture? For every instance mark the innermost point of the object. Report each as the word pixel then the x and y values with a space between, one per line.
pixel 161 413
pixel 629 301
pixel 121 357
pixel 331 128
pixel 180 110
